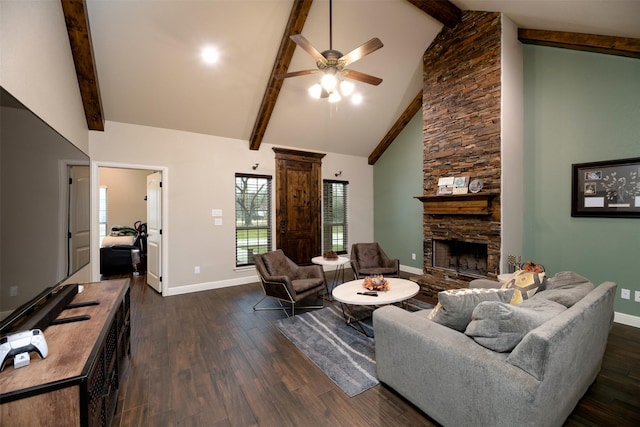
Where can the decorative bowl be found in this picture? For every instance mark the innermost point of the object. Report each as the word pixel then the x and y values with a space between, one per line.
pixel 376 283
pixel 330 255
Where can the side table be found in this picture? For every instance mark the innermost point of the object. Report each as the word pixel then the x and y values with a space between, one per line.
pixel 339 263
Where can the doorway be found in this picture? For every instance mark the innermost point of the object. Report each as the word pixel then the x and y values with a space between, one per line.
pixel 125 186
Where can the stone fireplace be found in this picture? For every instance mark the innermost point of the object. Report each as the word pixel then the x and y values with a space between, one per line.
pixel 461 111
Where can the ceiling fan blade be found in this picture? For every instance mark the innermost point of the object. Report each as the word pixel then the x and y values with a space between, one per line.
pixel 295 74
pixel 301 41
pixel 361 51
pixel 361 77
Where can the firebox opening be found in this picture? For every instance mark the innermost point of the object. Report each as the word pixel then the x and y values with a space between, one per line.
pixel 462 257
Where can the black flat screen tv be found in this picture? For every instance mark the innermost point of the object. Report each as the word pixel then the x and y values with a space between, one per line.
pixel 44 213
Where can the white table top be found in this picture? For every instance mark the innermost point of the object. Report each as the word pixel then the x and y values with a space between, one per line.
pixel 323 261
pixel 400 290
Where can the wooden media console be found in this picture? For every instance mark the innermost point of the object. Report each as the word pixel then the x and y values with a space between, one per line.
pixel 77 383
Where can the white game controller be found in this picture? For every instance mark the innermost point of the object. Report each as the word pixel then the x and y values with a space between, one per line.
pixel 22 342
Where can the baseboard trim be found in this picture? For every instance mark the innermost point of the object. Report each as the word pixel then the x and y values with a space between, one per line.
pixel 411 270
pixel 626 319
pixel 198 287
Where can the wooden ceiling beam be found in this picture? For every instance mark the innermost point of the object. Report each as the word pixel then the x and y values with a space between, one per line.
pixel 297 18
pixel 608 45
pixel 397 127
pixel 77 21
pixel 442 10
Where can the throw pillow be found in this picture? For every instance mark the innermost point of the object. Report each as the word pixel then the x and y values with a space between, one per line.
pixel 455 306
pixel 525 285
pixel 500 327
pixel 566 295
pixel 564 278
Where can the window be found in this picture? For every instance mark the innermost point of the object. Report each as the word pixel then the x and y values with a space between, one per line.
pixel 253 217
pixel 102 212
pixel 334 225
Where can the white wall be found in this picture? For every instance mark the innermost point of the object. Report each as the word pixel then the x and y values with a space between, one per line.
pixel 36 66
pixel 512 129
pixel 126 191
pixel 200 176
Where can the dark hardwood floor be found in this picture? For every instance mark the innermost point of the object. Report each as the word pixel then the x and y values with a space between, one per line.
pixel 207 359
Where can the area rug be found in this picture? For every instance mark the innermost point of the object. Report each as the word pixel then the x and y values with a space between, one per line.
pixel 345 355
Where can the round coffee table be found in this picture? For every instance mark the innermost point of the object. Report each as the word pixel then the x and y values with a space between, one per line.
pixel 348 295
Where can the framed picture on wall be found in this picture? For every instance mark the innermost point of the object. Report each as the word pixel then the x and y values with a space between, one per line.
pixel 606 189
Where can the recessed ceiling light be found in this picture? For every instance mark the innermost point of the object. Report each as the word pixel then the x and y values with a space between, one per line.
pixel 210 55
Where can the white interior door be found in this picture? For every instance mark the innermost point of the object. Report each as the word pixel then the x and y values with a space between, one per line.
pixel 79 245
pixel 154 231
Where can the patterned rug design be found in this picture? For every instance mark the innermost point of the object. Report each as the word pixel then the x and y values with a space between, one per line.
pixel 345 355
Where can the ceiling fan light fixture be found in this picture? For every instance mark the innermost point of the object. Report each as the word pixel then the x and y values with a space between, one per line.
pixel 346 87
pixel 315 91
pixel 210 55
pixel 329 82
pixel 334 97
pixel 356 99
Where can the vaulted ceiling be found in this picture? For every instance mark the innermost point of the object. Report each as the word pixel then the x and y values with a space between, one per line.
pixel 144 57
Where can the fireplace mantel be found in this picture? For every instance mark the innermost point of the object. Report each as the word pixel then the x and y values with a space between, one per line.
pixel 458 204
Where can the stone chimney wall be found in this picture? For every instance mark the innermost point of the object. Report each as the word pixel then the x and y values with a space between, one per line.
pixel 461 130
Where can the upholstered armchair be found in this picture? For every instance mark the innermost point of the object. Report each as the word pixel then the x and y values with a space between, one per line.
pixel 284 280
pixel 369 259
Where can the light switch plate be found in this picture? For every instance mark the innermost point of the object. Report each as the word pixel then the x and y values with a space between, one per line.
pixel 625 293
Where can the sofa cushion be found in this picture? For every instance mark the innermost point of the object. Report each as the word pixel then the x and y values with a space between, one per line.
pixel 525 284
pixel 567 295
pixel 566 288
pixel 564 278
pixel 455 306
pixel 500 327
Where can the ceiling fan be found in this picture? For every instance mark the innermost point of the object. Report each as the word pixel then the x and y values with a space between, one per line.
pixel 333 64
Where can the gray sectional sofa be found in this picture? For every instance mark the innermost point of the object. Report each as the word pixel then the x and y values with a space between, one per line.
pixel 457 381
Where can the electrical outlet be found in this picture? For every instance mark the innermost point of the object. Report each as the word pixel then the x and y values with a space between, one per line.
pixel 637 296
pixel 196 269
pixel 625 293
pixel 13 291
pixel 413 257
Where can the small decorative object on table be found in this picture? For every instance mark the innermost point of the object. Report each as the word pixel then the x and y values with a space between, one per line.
pixel 531 266
pixel 376 283
pixel 330 255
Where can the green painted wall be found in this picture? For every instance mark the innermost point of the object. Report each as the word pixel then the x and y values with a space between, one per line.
pixel 579 107
pixel 397 179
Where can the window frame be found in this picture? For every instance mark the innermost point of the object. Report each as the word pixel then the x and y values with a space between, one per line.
pixel 264 243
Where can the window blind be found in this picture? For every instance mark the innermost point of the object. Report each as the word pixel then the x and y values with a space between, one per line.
pixel 335 230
